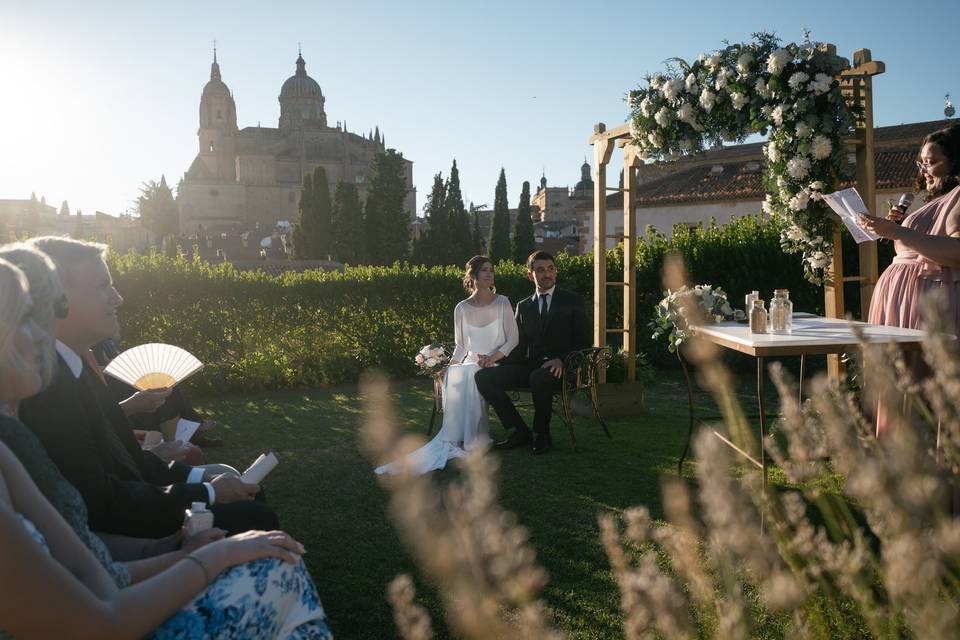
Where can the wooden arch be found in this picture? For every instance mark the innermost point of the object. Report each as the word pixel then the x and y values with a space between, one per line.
pixel 856 83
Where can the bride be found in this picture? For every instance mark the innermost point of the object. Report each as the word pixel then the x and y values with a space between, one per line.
pixel 485 332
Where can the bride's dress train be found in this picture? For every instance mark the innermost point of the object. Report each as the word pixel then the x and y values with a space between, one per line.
pixel 479 330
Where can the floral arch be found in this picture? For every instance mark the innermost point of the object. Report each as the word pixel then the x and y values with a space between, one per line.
pixel 790 93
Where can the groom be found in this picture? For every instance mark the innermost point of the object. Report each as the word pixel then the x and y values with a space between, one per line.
pixel 552 322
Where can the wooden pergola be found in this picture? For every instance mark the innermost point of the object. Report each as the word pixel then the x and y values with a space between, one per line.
pixel 857 86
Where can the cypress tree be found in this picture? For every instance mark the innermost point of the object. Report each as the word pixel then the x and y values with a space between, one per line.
pixel 78 229
pixel 321 241
pixel 433 247
pixel 477 243
pixel 498 246
pixel 460 243
pixel 522 244
pixel 387 224
pixel 65 209
pixel 346 224
pixel 157 209
pixel 303 247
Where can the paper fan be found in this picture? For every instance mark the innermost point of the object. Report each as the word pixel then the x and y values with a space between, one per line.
pixel 153 366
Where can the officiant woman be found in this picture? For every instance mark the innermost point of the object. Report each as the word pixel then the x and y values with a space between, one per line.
pixel 927 243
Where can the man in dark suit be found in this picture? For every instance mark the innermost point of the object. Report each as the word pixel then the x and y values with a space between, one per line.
pixel 128 491
pixel 552 322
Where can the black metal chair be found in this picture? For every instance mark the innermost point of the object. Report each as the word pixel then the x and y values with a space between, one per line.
pixel 581 374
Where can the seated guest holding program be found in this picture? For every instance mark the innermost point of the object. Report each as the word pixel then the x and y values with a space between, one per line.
pixel 127 491
pixel 253 585
pixel 552 322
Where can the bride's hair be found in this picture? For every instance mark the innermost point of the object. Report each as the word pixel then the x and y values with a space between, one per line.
pixel 471 270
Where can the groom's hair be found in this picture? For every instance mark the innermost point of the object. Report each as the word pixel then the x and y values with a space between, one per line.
pixel 539 255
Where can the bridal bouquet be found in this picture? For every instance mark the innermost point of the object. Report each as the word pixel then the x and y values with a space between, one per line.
pixel 432 359
pixel 672 313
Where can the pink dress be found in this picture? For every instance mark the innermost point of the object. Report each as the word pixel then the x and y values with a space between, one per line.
pixel 896 298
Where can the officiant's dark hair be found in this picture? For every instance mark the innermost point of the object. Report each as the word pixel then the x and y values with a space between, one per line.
pixel 471 269
pixel 948 139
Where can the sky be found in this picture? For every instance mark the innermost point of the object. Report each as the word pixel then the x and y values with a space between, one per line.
pixel 98 97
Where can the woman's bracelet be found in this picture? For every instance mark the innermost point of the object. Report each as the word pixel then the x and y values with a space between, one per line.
pixel 203 567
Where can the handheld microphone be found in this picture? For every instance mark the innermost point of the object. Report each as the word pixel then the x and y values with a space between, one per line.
pixel 905 201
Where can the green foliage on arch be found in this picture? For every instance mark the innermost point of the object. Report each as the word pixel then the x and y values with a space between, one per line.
pixel 788 91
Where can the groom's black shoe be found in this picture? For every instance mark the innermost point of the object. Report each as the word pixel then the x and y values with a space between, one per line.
pixel 542 442
pixel 514 440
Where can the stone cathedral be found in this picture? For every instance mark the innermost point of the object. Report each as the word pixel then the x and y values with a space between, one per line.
pixel 251 178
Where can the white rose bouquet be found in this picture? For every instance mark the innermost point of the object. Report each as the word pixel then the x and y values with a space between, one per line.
pixel 432 359
pixel 672 320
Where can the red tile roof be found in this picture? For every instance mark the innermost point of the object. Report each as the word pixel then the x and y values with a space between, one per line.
pixel 696 180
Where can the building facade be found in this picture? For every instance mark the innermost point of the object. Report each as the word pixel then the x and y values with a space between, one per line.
pixel 251 178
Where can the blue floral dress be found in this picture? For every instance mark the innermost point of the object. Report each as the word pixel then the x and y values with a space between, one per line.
pixel 262 599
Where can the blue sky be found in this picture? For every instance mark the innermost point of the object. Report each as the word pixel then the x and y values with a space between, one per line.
pixel 97 97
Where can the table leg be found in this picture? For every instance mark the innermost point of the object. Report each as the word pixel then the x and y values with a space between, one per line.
pixel 763 419
pixel 686 446
pixel 803 361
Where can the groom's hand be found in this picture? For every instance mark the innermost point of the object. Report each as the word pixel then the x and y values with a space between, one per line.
pixel 555 366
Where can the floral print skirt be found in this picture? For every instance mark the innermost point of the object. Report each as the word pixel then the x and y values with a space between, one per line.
pixel 263 599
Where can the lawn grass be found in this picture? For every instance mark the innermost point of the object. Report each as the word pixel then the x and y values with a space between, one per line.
pixel 327 496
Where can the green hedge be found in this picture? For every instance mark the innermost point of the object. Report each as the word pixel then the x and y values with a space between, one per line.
pixel 316 328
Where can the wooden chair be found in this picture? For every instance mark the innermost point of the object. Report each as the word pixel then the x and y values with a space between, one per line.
pixel 581 374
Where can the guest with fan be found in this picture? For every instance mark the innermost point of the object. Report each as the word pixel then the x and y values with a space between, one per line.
pixel 253 585
pixel 149 410
pixel 128 491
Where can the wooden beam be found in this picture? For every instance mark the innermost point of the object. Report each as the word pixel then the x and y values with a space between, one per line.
pixel 602 150
pixel 631 162
pixel 623 131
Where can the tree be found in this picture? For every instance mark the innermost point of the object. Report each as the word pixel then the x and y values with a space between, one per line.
pixel 65 208
pixel 346 224
pixel 157 209
pixel 522 244
pixel 387 224
pixel 477 243
pixel 498 246
pixel 315 218
pixel 433 246
pixel 460 241
pixel 303 232
pixel 322 215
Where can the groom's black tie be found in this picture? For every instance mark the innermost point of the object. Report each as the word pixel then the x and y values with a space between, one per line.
pixel 543 306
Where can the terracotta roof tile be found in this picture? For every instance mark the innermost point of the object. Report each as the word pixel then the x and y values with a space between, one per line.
pixel 697 180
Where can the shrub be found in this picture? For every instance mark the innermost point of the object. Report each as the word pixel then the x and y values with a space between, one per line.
pixel 256 331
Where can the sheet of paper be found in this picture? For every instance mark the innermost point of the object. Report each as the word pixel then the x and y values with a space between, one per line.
pixel 848 204
pixel 185 430
pixel 260 468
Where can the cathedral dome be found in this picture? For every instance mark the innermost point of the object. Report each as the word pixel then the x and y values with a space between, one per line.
pixel 300 85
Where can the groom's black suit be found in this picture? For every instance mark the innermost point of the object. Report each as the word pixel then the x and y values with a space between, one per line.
pixel 563 329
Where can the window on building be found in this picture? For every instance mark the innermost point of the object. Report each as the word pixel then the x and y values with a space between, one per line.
pixel 211 146
pixel 214 193
pixel 219 115
pixel 360 179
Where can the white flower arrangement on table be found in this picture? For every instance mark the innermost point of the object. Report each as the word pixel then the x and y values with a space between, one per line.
pixel 432 360
pixel 672 319
pixel 790 92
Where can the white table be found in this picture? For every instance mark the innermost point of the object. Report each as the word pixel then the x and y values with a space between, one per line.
pixel 812 335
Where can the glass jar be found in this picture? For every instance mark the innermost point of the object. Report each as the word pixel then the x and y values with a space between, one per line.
pixel 758 317
pixel 781 313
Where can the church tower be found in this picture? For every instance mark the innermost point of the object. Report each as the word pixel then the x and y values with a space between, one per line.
pixel 218 126
pixel 301 101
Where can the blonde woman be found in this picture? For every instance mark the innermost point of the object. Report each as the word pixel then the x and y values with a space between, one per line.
pixel 54 587
pixel 485 332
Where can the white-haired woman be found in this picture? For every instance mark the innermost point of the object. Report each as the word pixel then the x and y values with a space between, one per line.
pixel 54 587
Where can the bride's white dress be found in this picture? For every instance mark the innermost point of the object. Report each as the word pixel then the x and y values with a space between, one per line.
pixel 478 330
